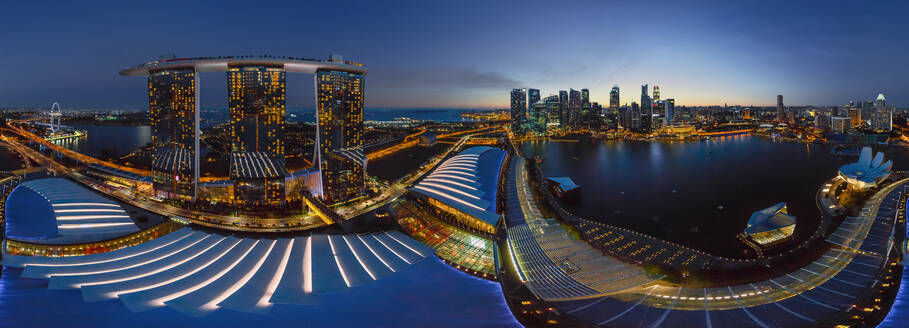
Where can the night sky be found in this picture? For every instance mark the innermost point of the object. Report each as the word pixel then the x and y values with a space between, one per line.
pixel 467 54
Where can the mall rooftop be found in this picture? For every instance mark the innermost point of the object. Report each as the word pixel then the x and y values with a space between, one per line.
pixel 57 211
pixel 467 182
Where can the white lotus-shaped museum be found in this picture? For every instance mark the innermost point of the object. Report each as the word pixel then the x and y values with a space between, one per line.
pixel 867 173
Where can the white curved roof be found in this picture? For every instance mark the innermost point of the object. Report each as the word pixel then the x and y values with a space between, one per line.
pixel 59 211
pixel 467 181
pixel 197 273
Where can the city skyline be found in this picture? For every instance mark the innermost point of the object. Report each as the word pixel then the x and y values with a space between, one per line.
pixel 732 53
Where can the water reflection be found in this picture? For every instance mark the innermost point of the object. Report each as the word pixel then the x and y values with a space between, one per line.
pixel 684 184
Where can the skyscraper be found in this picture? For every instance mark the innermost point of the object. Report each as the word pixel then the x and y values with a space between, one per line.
pixel 880 102
pixel 635 117
pixel 779 108
pixel 646 110
pixel 586 114
pixel 533 97
pixel 339 147
pixel 855 116
pixel 669 105
pixel 867 109
pixel 518 110
pixel 882 117
pixel 585 98
pixel 563 109
pixel 538 118
pixel 553 112
pixel 172 104
pixel 256 97
pixel 614 99
pixel 574 108
pixel 658 106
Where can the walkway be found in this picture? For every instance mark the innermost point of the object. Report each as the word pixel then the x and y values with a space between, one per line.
pixel 554 265
pixel 809 295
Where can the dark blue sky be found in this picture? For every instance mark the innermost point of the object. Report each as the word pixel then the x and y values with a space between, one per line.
pixel 470 54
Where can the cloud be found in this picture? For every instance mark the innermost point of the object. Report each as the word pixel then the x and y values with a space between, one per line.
pixel 437 86
pixel 442 78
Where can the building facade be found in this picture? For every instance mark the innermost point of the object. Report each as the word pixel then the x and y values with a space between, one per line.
pixel 256 98
pixel 779 109
pixel 518 110
pixel 339 144
pixel 563 109
pixel 669 105
pixel 172 106
pixel 574 108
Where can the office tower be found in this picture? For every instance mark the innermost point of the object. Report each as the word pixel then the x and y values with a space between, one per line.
pixel 880 102
pixel 635 116
pixel 585 98
pixel 855 116
pixel 839 124
pixel 533 97
pixel 867 109
pixel 553 113
pixel 656 93
pixel 574 108
pixel 518 109
pixel 538 118
pixel 339 144
pixel 669 106
pixel 586 114
pixel 256 97
pixel 646 110
pixel 614 99
pixel 172 105
pixel 882 117
pixel 779 108
pixel 563 109
pixel 625 117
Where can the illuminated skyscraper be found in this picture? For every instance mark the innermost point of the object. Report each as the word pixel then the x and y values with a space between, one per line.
pixel 779 108
pixel 533 97
pixel 656 93
pixel 614 99
pixel 646 110
pixel 574 108
pixel 881 118
pixel 256 97
pixel 563 109
pixel 518 110
pixel 669 105
pixel 339 147
pixel 585 98
pixel 538 118
pixel 553 111
pixel 172 103
pixel 585 115
pixel 635 116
